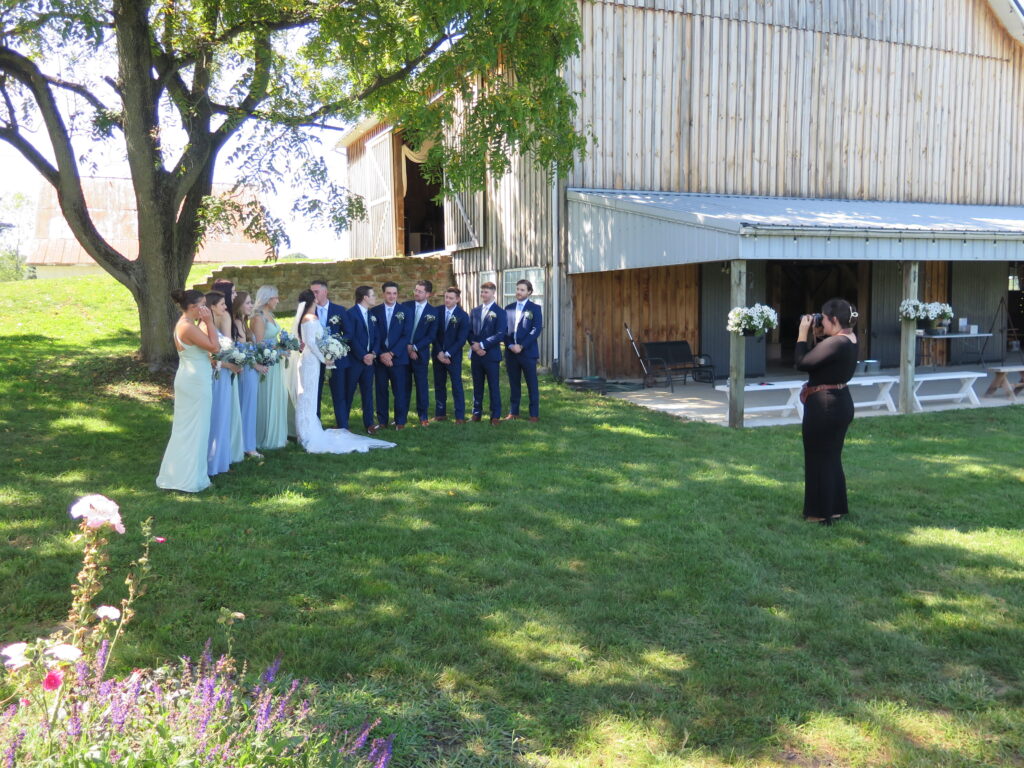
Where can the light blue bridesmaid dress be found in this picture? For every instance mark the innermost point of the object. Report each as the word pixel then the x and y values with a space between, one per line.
pixel 272 401
pixel 184 464
pixel 219 457
pixel 248 392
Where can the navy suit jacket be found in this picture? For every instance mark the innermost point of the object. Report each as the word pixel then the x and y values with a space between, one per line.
pixel 396 338
pixel 339 327
pixel 425 332
pixel 527 333
pixel 451 338
pixel 363 340
pixel 488 330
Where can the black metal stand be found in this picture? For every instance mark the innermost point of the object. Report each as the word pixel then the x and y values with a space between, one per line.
pixel 1002 311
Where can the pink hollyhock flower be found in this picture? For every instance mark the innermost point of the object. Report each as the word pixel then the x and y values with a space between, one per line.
pixel 64 652
pixel 14 655
pixel 24 702
pixel 98 511
pixel 52 680
pixel 159 539
pixel 108 612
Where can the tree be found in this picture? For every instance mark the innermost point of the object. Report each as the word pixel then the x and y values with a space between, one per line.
pixel 172 83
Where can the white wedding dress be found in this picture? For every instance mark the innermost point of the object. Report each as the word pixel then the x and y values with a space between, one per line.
pixel 311 434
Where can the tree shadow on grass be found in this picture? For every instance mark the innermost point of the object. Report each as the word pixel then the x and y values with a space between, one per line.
pixel 612 578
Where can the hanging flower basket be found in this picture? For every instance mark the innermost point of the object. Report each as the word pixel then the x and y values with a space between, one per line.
pixel 930 311
pixel 752 321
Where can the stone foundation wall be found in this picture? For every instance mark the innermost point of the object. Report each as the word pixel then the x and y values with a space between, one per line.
pixel 343 277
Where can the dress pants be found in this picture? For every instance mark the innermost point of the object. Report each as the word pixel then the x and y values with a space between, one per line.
pixel 418 374
pixel 391 378
pixel 361 376
pixel 442 373
pixel 518 367
pixel 481 369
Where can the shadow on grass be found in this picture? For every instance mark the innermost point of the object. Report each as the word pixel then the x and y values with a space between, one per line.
pixel 608 579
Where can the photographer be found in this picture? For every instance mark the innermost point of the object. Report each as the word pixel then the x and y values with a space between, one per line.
pixel 828 406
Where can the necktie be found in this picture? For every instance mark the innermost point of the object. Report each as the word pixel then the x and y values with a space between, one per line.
pixel 321 313
pixel 447 317
pixel 416 322
pixel 390 310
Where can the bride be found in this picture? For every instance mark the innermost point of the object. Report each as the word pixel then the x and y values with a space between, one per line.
pixel 311 434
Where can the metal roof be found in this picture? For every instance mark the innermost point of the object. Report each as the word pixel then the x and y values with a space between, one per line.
pixel 615 229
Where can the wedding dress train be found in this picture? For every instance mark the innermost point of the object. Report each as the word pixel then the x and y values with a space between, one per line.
pixel 311 434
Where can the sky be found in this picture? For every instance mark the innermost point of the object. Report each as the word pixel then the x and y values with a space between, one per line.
pixel 18 175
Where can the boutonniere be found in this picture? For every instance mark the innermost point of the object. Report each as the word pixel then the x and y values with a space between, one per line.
pixel 334 320
pixel 454 320
pixel 399 315
pixel 430 318
pixel 528 315
pixel 491 315
pixel 373 318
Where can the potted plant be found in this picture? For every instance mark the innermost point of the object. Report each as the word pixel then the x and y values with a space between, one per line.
pixel 752 321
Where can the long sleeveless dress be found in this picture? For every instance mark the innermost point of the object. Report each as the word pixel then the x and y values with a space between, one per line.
pixel 272 402
pixel 219 457
pixel 184 464
pixel 248 392
pixel 237 448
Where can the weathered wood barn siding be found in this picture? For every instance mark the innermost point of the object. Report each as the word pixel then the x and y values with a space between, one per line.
pixel 371 166
pixel 876 99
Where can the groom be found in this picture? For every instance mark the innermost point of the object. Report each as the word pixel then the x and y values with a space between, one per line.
pixel 334 320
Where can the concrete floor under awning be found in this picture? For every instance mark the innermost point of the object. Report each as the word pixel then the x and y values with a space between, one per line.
pixel 702 402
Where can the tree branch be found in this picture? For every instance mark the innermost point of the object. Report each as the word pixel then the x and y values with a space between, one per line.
pixel 81 90
pixel 382 81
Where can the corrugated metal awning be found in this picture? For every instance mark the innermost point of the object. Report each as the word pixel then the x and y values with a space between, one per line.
pixel 611 229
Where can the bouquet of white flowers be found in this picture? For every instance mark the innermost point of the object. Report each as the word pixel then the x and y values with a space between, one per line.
pixel 228 353
pixel 912 309
pixel 333 348
pixel 757 319
pixel 265 353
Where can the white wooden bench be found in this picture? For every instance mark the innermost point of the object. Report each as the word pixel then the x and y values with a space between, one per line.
pixel 793 386
pixel 966 391
pixel 1000 382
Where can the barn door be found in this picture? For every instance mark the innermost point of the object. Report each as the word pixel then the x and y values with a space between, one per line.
pixel 380 198
pixel 464 220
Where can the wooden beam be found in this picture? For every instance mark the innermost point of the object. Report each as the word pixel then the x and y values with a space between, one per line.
pixel 908 340
pixel 737 344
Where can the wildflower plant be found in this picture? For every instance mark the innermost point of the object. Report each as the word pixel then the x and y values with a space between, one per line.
pixel 59 708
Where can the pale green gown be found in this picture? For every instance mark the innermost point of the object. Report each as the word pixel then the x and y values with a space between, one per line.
pixel 184 465
pixel 237 448
pixel 272 402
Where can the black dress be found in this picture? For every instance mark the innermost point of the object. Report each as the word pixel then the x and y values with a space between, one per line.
pixel 827 415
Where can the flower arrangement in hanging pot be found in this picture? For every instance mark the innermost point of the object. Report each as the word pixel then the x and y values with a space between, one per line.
pixel 930 315
pixel 752 321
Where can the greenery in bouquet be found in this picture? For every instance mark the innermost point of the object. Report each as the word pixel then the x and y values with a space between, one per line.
pixel 757 319
pixel 333 347
pixel 59 708
pixel 267 353
pixel 229 353
pixel 286 344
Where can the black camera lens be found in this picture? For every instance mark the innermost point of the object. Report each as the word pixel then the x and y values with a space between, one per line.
pixel 816 320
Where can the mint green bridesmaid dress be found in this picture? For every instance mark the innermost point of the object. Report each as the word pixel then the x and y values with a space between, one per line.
pixel 272 402
pixel 184 465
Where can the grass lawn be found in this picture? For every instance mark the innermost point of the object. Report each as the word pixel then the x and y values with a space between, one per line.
pixel 610 587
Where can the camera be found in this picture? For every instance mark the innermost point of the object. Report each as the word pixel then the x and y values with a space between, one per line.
pixel 816 320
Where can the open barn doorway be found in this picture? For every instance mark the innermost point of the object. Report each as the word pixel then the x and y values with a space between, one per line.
pixel 796 288
pixel 423 217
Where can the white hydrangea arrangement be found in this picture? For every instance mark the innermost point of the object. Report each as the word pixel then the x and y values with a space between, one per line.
pixel 912 309
pixel 757 319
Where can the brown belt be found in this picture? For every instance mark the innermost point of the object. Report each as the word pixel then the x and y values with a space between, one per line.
pixel 807 391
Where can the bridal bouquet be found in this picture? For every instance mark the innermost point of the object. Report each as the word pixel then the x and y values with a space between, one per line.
pixel 228 353
pixel 333 347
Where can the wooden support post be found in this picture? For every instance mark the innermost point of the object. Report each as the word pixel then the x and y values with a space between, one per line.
pixel 737 345
pixel 908 340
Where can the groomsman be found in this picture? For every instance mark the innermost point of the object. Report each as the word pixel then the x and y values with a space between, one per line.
pixel 525 322
pixel 391 368
pixel 364 345
pixel 487 326
pixel 334 319
pixel 451 338
pixel 421 337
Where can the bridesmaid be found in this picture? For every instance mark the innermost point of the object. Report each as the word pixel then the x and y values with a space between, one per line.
pixel 224 400
pixel 184 464
pixel 271 404
pixel 230 294
pixel 227 288
pixel 249 381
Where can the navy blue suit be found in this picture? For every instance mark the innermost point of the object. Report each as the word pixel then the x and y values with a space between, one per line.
pixel 394 339
pixel 489 331
pixel 365 339
pixel 336 323
pixel 524 364
pixel 421 338
pixel 451 338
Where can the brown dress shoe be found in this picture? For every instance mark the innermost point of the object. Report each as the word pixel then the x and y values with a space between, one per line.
pixel 475 417
pixel 424 422
pixel 399 426
pixel 440 418
pixel 373 429
pixel 512 417
pixel 534 418
pixel 460 421
pixel 495 422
